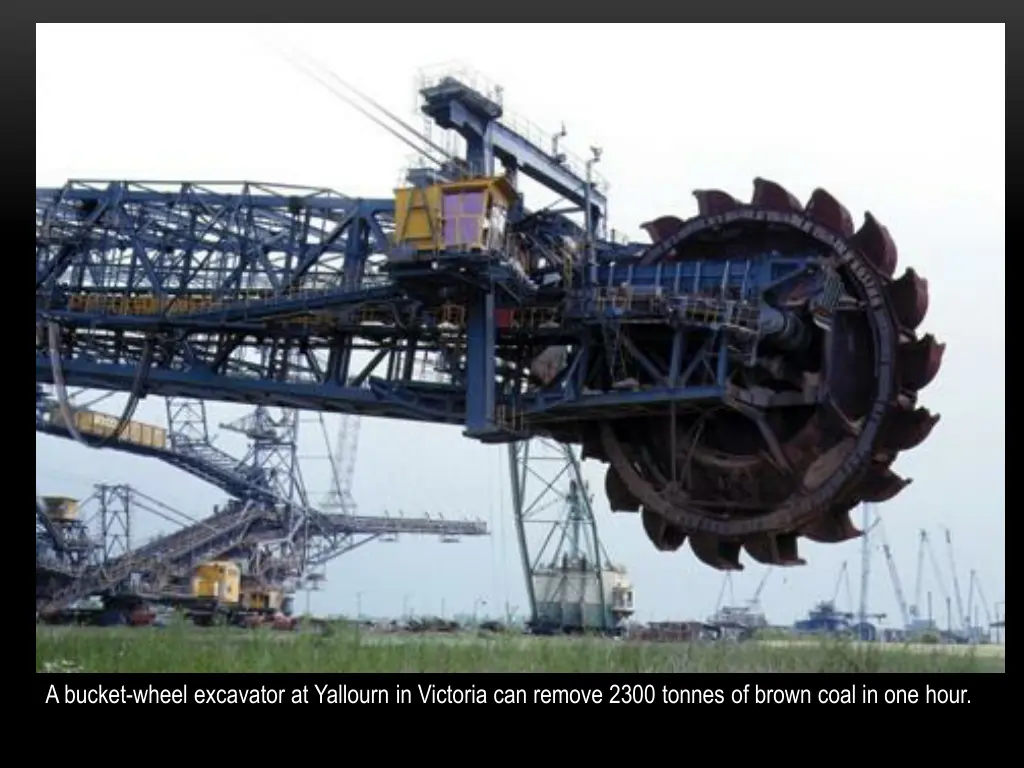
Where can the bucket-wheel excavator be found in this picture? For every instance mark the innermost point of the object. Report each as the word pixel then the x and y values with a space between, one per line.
pixel 748 376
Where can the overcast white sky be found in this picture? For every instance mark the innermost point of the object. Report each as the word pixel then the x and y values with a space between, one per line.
pixel 905 121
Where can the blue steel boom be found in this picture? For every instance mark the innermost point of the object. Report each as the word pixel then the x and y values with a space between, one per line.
pixel 749 376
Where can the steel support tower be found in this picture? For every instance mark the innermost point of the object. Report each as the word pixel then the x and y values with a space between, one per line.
pixel 571 584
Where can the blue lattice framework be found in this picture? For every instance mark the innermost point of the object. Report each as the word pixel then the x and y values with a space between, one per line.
pixel 260 294
pixel 750 376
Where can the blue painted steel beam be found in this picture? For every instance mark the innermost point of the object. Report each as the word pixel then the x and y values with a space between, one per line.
pixel 480 363
pixel 454 105
pixel 536 164
pixel 412 402
pixel 378 401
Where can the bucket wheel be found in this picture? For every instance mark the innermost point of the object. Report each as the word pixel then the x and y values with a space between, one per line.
pixel 758 478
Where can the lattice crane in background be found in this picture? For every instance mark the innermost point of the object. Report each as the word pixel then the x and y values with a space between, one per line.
pixel 270 523
pixel 963 619
pixel 897 583
pixel 843 581
pixel 976 588
pixel 343 465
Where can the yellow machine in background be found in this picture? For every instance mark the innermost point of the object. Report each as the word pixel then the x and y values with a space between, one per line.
pixel 220 580
pixel 458 216
pixel 262 599
pixel 61 509
pixel 221 594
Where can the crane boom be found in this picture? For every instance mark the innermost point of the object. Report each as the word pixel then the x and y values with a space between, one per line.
pixel 346 449
pixel 965 622
pixel 970 597
pixel 865 563
pixel 936 570
pixel 975 588
pixel 760 587
pixel 897 585
pixel 919 577
pixel 726 584
pixel 839 582
pixel 984 602
pixel 843 579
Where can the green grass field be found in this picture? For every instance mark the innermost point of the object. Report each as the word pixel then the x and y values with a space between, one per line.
pixel 187 649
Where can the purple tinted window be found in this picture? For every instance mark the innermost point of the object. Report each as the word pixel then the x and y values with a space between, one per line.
pixel 469 230
pixel 450 228
pixel 463 217
pixel 473 203
pixel 451 205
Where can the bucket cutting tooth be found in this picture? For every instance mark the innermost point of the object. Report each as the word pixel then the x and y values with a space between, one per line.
pixel 619 497
pixel 810 470
pixel 919 362
pixel 908 429
pixel 881 484
pixel 665 536
pixel 780 549
pixel 832 528
pixel 713 551
pixel 662 228
pixel 876 244
pixel 775 197
pixel 829 212
pixel 909 296
pixel 712 202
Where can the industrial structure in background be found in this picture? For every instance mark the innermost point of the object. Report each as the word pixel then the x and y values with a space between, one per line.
pixel 963 623
pixel 571 584
pixel 739 620
pixel 748 376
pixel 243 562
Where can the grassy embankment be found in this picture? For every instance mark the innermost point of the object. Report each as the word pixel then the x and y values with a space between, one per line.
pixel 187 649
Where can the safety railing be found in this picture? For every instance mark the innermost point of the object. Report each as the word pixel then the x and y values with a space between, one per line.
pixel 530 318
pixel 127 305
pixel 509 418
pixel 627 299
pixel 615 237
pixel 716 312
pixel 433 75
pixel 707 311
pixel 543 140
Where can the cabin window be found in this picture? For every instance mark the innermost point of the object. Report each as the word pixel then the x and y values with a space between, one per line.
pixel 463 214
